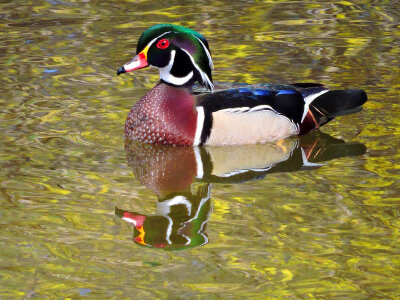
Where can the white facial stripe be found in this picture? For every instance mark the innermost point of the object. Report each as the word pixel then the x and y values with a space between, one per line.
pixel 199 125
pixel 203 75
pixel 135 62
pixel 308 101
pixel 168 77
pixel 153 40
pixel 208 54
pixel 165 73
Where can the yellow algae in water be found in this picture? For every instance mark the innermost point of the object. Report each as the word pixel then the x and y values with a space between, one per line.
pixel 356 45
pixel 347 3
pixel 54 189
pixel 287 275
pixel 51 116
pixel 267 271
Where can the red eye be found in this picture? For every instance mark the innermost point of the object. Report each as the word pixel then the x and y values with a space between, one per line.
pixel 163 44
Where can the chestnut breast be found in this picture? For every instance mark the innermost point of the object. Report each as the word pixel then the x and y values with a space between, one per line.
pixel 165 115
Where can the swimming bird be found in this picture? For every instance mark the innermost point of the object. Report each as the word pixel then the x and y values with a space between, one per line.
pixel 182 179
pixel 174 112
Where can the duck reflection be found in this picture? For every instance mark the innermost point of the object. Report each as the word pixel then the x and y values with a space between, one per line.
pixel 181 177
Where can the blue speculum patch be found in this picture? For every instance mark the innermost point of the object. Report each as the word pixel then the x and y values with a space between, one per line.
pixel 244 90
pixel 283 92
pixel 262 92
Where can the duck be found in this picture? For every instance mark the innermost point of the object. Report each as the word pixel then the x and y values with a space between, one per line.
pixel 186 108
pixel 179 222
pixel 182 179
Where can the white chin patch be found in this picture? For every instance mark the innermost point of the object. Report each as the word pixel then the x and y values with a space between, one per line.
pixel 165 73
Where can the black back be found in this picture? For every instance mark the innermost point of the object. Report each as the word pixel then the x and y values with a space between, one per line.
pixel 289 103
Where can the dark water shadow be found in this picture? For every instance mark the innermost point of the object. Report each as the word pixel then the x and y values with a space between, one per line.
pixel 183 209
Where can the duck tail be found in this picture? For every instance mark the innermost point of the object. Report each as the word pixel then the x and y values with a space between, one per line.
pixel 330 105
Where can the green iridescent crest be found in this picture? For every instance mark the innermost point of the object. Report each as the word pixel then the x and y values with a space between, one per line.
pixel 188 40
pixel 159 29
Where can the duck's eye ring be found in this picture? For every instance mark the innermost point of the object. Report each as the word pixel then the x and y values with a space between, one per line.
pixel 163 44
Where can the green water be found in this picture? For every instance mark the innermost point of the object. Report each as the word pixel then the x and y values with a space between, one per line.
pixel 291 232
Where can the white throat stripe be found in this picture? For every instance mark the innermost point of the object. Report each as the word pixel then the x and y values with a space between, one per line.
pixel 203 75
pixel 210 62
pixel 153 40
pixel 165 73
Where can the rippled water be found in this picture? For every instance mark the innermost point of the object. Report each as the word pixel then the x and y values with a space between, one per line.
pixel 281 230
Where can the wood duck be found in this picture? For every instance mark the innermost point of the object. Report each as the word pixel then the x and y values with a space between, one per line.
pixel 182 179
pixel 173 113
pixel 180 221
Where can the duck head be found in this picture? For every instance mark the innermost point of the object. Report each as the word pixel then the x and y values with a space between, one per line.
pixel 181 54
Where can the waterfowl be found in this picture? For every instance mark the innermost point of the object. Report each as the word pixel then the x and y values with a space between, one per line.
pixel 182 179
pixel 173 113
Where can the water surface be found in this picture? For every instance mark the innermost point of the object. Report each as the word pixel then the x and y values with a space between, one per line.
pixel 329 231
